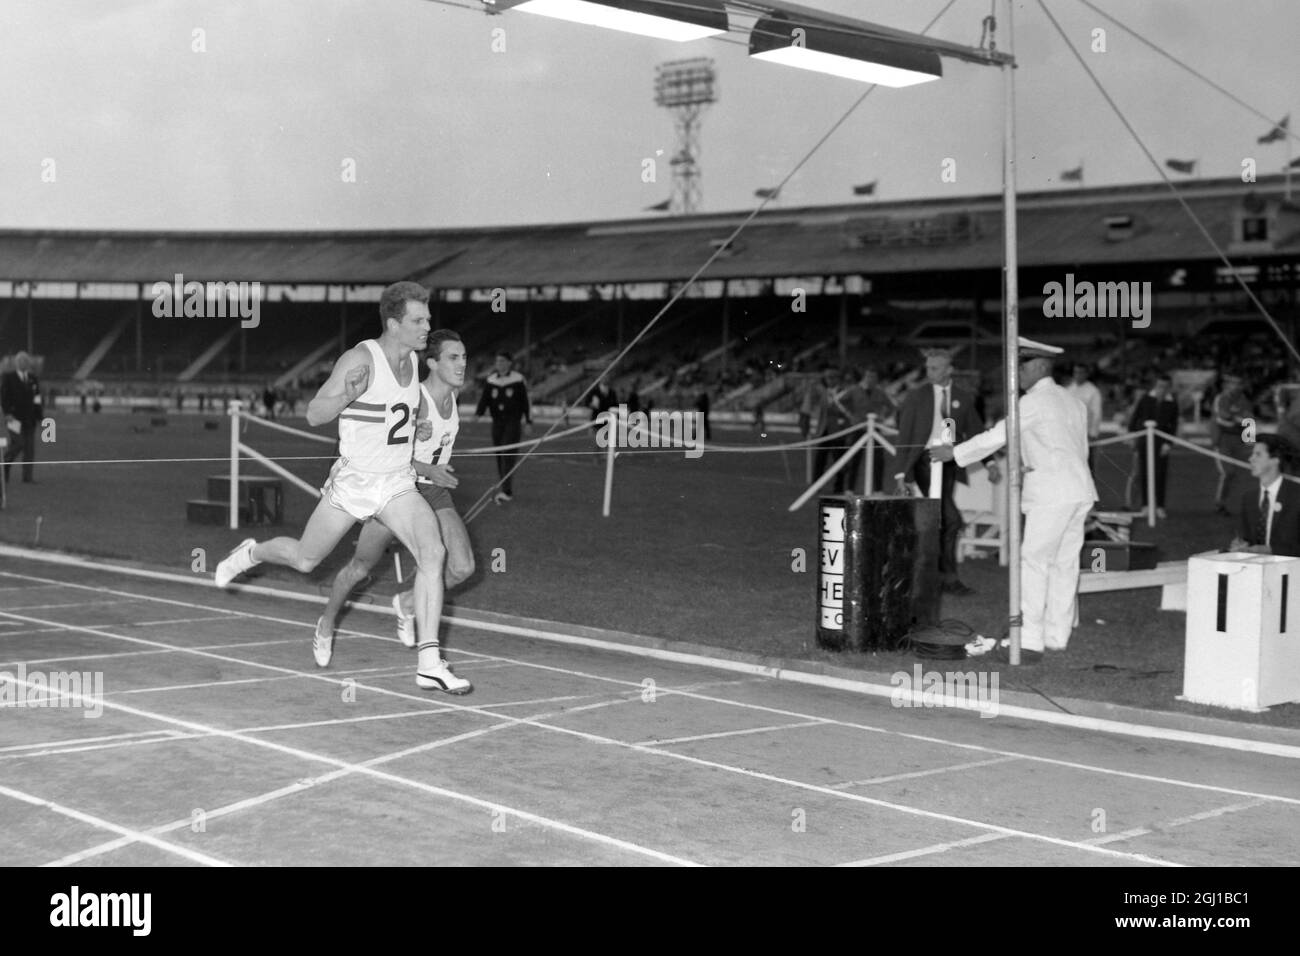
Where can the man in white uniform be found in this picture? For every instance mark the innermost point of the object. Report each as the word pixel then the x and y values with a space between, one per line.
pixel 374 392
pixel 435 479
pixel 1057 494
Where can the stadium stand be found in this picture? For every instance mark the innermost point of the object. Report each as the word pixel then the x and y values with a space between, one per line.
pixel 877 280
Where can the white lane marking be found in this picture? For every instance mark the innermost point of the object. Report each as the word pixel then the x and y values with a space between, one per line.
pixel 381 775
pixel 178 620
pixel 114 655
pixel 51 607
pixel 392 669
pixel 928 850
pixel 86 740
pixel 922 773
pixel 138 836
pixel 731 733
pixel 37 630
pixel 1179 822
pixel 259 800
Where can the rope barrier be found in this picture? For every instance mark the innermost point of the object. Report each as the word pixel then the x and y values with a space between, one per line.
pixel 265 423
pixel 874 435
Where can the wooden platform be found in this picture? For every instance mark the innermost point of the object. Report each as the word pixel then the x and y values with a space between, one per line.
pixel 1169 576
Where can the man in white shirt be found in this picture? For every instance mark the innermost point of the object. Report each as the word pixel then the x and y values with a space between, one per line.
pixel 1088 393
pixel 1057 494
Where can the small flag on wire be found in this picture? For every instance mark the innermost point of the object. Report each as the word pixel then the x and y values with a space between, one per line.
pixel 1073 175
pixel 660 206
pixel 866 189
pixel 1277 132
pixel 1181 165
pixel 767 193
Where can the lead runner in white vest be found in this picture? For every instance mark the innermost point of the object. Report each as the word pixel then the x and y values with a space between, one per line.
pixel 435 479
pixel 374 392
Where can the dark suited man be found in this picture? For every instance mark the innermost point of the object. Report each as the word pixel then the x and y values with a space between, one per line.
pixel 1158 405
pixel 1270 511
pixel 20 397
pixel 920 424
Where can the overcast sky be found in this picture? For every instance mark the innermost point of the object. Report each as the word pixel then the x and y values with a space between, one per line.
pixel 253 133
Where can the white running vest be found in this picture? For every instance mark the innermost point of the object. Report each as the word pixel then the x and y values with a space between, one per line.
pixel 377 429
pixel 437 450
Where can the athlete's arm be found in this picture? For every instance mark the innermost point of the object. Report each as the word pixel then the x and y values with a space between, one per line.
pixel 349 379
pixel 440 475
pixel 423 427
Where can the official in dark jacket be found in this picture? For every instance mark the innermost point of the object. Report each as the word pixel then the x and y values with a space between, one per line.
pixel 921 422
pixel 1158 405
pixel 1270 511
pixel 505 396
pixel 20 397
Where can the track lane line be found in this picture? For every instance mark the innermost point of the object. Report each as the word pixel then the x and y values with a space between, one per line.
pixel 136 836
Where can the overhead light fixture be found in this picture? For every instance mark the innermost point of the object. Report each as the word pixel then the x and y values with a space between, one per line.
pixel 679 20
pixel 825 48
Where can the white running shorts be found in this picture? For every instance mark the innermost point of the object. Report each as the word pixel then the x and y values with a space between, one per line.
pixel 363 494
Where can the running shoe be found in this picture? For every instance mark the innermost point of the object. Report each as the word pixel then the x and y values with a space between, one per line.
pixel 440 677
pixel 235 563
pixel 405 623
pixel 322 645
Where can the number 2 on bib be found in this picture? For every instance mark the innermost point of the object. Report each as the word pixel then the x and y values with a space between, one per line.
pixel 406 416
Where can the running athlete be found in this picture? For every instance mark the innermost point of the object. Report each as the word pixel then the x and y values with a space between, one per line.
pixel 374 392
pixel 432 456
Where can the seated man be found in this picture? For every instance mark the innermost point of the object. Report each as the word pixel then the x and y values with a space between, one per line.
pixel 1270 511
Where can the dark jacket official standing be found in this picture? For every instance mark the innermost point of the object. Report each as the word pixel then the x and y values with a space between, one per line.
pixel 1270 511
pixel 921 419
pixel 1160 406
pixel 20 397
pixel 505 396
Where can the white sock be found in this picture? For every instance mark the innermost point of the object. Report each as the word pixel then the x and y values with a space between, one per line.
pixel 430 655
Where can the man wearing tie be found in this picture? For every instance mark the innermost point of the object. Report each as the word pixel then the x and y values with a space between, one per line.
pixel 921 423
pixel 20 397
pixel 1270 512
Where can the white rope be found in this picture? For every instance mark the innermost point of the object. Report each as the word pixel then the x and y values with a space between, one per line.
pixel 253 419
pixel 282 472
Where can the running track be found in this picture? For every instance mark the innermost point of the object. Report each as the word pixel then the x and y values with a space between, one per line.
pixel 220 743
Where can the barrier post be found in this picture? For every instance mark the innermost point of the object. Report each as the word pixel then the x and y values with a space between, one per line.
pixel 1151 472
pixel 868 483
pixel 234 462
pixel 611 444
pixel 829 474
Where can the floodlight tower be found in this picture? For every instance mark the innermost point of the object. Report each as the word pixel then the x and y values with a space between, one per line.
pixel 685 87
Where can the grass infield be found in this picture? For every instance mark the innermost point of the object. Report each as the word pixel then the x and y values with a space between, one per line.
pixel 698 550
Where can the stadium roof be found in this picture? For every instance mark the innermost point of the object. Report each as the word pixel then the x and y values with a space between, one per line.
pixel 1118 224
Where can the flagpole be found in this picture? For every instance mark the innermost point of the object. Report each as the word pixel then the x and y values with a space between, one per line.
pixel 1011 358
